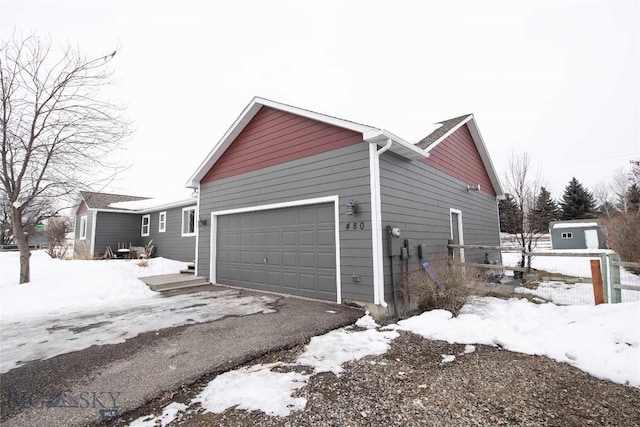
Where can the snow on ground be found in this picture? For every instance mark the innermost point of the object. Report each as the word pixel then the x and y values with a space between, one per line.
pixel 602 340
pixel 72 305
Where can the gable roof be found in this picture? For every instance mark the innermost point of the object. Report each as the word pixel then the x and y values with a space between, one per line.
pixel 103 200
pixel 369 134
pixel 449 127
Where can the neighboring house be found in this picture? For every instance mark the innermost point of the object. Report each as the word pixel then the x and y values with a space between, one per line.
pixel 111 220
pixel 299 202
pixel 577 234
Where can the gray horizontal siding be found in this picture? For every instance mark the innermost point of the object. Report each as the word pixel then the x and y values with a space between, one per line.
pixel 170 244
pixel 343 172
pixel 417 198
pixel 113 228
pixel 82 248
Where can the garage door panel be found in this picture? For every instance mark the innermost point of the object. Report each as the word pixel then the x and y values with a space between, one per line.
pixel 307 259
pixel 307 237
pixel 298 244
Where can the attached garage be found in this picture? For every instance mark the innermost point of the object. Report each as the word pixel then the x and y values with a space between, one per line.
pixel 290 250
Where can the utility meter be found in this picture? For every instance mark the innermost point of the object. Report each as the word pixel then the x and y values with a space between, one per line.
pixel 395 232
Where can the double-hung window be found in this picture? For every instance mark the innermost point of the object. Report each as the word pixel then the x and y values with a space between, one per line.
pixel 189 221
pixel 146 222
pixel 162 222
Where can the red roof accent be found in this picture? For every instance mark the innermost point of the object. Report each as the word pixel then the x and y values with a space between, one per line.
pixel 82 208
pixel 273 137
pixel 458 156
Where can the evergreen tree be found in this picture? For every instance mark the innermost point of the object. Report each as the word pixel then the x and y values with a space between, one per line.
pixel 544 211
pixel 577 202
pixel 633 198
pixel 510 216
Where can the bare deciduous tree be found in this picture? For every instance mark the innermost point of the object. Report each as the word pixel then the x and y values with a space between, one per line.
pixel 58 129
pixel 523 184
pixel 604 194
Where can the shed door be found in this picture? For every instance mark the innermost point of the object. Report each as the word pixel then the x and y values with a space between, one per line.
pixel 591 239
pixel 289 250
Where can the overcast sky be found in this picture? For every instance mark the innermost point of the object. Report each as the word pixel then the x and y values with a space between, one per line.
pixel 558 79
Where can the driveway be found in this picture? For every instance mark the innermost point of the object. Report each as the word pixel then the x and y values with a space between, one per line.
pixel 73 371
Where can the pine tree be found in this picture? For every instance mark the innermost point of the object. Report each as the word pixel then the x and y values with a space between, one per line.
pixel 577 202
pixel 510 216
pixel 544 211
pixel 633 198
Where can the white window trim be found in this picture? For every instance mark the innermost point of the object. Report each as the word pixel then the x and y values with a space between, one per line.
pixel 83 228
pixel 213 241
pixel 162 222
pixel 460 231
pixel 195 221
pixel 148 225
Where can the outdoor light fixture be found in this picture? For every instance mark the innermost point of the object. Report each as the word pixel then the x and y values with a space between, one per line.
pixel 202 221
pixel 351 208
pixel 474 187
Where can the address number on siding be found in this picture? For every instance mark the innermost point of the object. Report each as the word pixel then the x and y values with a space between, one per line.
pixel 355 226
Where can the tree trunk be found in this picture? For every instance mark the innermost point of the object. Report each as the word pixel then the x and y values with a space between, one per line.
pixel 23 245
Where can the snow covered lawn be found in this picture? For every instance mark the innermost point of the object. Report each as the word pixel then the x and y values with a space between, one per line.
pixel 72 305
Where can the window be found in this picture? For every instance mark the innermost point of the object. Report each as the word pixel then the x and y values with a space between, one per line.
pixel 567 235
pixel 146 220
pixel 83 227
pixel 189 221
pixel 162 222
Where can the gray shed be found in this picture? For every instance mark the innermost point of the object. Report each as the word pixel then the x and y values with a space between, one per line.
pixel 303 203
pixel 577 234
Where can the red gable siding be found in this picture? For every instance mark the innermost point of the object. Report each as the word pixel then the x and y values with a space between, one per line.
pixel 82 208
pixel 458 156
pixel 273 137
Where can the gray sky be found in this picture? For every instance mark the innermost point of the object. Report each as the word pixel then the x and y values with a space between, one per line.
pixel 558 79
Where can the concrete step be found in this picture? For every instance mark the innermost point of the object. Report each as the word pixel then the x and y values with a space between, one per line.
pixel 169 282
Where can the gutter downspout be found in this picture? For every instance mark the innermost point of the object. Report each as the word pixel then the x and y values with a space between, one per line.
pixel 376 222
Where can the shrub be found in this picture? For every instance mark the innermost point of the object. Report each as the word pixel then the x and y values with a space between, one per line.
pixel 623 235
pixel 422 292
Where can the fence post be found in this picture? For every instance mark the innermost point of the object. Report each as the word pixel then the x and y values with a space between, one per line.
pixel 616 293
pixel 604 269
pixel 596 276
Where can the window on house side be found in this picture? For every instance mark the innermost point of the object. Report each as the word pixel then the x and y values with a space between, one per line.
pixel 567 235
pixel 146 219
pixel 189 221
pixel 83 227
pixel 162 222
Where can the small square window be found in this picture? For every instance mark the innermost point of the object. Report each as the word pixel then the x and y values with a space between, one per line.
pixel 146 221
pixel 162 222
pixel 567 235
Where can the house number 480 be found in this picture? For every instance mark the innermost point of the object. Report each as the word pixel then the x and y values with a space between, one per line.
pixel 355 226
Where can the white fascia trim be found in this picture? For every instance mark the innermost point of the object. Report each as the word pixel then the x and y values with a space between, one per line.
pixel 150 210
pixel 195 257
pixel 486 159
pixel 328 199
pixel 449 133
pixel 402 147
pixel 93 233
pixel 376 222
pixel 245 117
pixel 460 231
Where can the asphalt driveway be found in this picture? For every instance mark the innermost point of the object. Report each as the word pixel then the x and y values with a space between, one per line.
pixel 84 386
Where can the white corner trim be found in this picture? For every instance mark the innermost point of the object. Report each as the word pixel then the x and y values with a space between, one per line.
pixel 328 199
pixel 376 221
pixel 195 256
pixel 93 233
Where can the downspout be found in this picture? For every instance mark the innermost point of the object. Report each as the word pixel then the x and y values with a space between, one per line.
pixel 376 222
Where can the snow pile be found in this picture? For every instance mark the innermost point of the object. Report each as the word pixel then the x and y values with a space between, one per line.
pixel 61 285
pixel 169 414
pixel 602 340
pixel 367 322
pixel 264 390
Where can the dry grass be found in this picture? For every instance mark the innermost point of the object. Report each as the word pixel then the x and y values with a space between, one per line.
pixel 144 262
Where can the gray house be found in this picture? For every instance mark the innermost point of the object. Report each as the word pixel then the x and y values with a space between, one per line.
pixel 112 220
pixel 303 203
pixel 577 234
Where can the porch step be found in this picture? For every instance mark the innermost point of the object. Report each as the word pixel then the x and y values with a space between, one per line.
pixel 191 269
pixel 169 282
